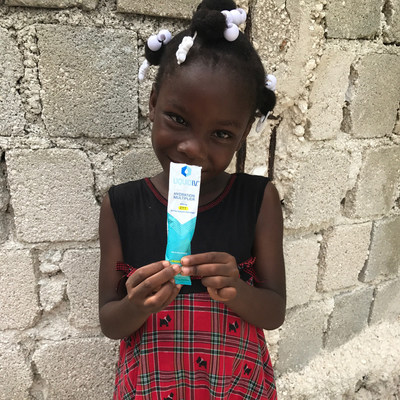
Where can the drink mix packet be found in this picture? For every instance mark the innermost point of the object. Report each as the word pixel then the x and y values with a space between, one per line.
pixel 183 201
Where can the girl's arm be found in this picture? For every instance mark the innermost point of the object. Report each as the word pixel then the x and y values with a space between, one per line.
pixel 264 305
pixel 149 289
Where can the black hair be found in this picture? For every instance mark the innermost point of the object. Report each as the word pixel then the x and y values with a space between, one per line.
pixel 211 47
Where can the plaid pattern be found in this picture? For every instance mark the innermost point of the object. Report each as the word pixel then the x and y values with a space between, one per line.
pixel 196 348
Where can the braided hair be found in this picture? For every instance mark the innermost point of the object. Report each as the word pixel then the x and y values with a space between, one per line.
pixel 211 48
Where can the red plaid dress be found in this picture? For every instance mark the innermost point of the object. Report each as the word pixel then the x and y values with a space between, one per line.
pixel 196 348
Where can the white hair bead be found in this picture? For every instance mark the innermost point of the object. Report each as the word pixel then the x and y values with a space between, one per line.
pixel 153 43
pixel 164 36
pixel 228 17
pixel 237 18
pixel 270 82
pixel 231 33
pixel 183 49
pixel 243 15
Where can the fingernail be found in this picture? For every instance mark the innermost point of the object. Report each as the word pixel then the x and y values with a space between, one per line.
pixel 176 268
pixel 185 271
pixel 184 260
pixel 166 264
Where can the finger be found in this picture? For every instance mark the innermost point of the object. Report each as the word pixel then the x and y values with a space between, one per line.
pixel 174 293
pixel 213 257
pixel 216 282
pixel 224 294
pixel 146 271
pixel 210 270
pixel 159 279
pixel 162 298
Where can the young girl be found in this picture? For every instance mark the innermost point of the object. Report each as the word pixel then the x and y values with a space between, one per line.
pixel 203 341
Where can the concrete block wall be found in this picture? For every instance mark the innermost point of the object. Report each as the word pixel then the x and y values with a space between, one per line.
pixel 73 121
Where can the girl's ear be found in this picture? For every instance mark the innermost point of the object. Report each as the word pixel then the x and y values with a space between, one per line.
pixel 152 102
pixel 246 133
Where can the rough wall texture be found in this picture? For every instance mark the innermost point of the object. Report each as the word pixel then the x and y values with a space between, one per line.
pixel 73 122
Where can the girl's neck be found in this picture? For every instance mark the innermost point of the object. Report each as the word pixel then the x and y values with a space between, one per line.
pixel 209 190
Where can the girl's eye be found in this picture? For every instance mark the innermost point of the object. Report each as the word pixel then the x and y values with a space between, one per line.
pixel 222 134
pixel 177 119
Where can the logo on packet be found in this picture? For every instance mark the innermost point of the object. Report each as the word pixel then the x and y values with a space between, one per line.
pixel 186 171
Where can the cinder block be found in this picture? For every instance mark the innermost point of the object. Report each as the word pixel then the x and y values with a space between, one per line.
pixel 85 4
pixel 177 8
pixel 301 260
pixel 349 316
pixel 16 376
pixel 137 164
pixel 346 250
pixel 386 304
pixel 51 193
pixel 384 255
pixel 391 33
pixel 283 35
pixel 301 336
pixel 18 297
pixel 373 96
pixel 357 19
pixel 89 84
pixel 328 92
pixel 319 184
pixel 11 70
pixel 375 190
pixel 77 368
pixel 169 8
pixel 81 268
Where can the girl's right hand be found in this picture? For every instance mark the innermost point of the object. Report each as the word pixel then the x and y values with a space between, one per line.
pixel 152 287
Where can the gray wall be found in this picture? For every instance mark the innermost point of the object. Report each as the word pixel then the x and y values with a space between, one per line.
pixel 73 121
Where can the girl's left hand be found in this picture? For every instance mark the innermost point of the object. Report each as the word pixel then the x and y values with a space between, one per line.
pixel 219 273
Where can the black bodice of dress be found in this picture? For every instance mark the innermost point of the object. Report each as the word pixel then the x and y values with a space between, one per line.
pixel 227 224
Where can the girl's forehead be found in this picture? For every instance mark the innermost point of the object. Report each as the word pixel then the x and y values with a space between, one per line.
pixel 211 89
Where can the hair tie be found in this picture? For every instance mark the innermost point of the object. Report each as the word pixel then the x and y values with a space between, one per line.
pixel 270 83
pixel 154 43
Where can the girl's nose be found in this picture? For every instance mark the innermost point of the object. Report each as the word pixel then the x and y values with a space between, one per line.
pixel 194 149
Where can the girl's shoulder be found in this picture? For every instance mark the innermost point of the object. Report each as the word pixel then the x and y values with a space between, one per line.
pixel 126 190
pixel 251 183
pixel 126 186
pixel 244 191
pixel 252 179
pixel 124 195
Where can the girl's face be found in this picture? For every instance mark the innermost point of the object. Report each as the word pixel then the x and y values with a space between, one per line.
pixel 201 116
